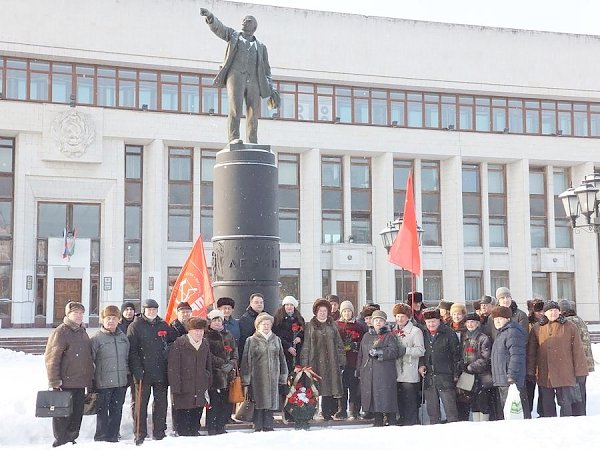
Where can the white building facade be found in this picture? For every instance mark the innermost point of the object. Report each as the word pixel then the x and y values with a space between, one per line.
pixel 109 126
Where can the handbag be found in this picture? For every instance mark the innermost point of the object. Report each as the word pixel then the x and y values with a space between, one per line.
pixel 236 393
pixel 90 404
pixel 53 404
pixel 466 381
pixel 245 411
pixel 513 408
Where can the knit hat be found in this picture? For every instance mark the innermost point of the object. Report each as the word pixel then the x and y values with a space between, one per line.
pixel 215 313
pixel 417 296
pixel 150 303
pixel 368 310
pixel 347 304
pixel 110 310
pixel 486 300
pixel 321 302
pixel 472 316
pixel 565 305
pixel 72 306
pixel 379 314
pixel 289 300
pixel 402 308
pixel 183 306
pixel 431 313
pixel 551 305
pixel 458 307
pixel 128 305
pixel 501 311
pixel 261 318
pixel 444 304
pixel 503 292
pixel 195 323
pixel 225 301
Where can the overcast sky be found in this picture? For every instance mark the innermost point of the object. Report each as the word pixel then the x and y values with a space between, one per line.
pixel 569 16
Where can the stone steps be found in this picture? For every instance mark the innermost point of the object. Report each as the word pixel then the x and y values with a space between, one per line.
pixel 31 345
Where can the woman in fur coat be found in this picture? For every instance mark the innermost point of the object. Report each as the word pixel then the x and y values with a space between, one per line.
pixel 263 370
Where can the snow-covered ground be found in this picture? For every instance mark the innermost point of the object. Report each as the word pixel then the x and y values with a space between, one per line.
pixel 21 376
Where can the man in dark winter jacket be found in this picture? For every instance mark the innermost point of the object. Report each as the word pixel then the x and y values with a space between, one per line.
pixel 149 338
pixel 226 305
pixel 127 316
pixel 184 312
pixel 518 316
pixel 508 358
pixel 440 366
pixel 256 306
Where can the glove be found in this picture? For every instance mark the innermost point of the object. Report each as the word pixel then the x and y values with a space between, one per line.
pixel 510 380
pixel 227 367
pixel 373 352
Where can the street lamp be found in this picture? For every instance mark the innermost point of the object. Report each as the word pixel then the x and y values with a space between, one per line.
pixel 582 204
pixel 388 236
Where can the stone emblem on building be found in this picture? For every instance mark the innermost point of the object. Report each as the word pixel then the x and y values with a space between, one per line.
pixel 73 133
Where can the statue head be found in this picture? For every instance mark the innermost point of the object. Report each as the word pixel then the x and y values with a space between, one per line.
pixel 249 25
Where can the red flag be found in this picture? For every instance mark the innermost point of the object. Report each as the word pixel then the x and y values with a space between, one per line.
pixel 192 285
pixel 405 249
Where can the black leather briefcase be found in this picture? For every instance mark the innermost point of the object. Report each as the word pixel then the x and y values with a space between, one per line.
pixel 53 404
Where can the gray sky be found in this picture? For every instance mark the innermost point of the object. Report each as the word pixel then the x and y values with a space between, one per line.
pixel 568 16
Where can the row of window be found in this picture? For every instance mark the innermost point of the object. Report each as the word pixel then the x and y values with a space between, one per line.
pixel 119 87
pixel 7 152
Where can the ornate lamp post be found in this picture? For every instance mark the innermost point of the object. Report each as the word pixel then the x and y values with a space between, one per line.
pixel 582 204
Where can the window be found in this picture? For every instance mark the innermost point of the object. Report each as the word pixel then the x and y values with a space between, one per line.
pixel 62 82
pixel 498 278
pixel 172 274
pixel 540 284
pixel 403 284
pixel 397 108
pixel 180 194
pixel 537 208
pixel 562 224
pixel 471 198
pixel 7 149
pixel 414 109
pixel 360 194
pixel 473 285
pixel 497 205
pixel 402 169
pixel 465 112
pixel 565 285
pixel 325 282
pixel 499 113
pixel 85 76
pixel 548 117
pixel 148 88
pixel 343 105
pixel 132 259
pixel 16 79
pixel 369 285
pixel 39 80
pixel 169 92
pixel 332 199
pixel 127 88
pixel 325 103
pixel 208 161
pixel 515 116
pixel 482 114
pixel 532 117
pixel 289 197
pixel 432 286
pixel 448 111
pixel 580 119
pixel 430 193
pixel 306 102
pixel 107 87
pixel 432 111
pixel 379 110
pixel 190 93
pixel 290 283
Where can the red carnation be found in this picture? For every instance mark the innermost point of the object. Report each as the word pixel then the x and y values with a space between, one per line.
pixel 228 348
pixel 162 333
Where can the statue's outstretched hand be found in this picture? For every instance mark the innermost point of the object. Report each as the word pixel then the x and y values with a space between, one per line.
pixel 206 13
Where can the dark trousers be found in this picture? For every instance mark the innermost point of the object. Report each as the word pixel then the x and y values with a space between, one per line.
pixel 448 398
pixel 329 407
pixel 220 411
pixel 562 397
pixel 408 403
pixel 109 412
pixel 503 394
pixel 579 408
pixel 240 87
pixel 132 394
pixel 351 397
pixel 159 410
pixel 188 421
pixel 66 429
pixel 262 419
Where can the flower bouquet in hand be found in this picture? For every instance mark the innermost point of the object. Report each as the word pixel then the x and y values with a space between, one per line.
pixel 302 400
pixel 351 340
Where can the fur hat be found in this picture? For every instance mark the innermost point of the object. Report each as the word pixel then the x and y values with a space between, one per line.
pixel 110 310
pixel 128 305
pixel 472 316
pixel 181 306
pixel 445 304
pixel 476 305
pixel 195 323
pixel 565 305
pixel 289 300
pixel 72 306
pixel 150 303
pixel 431 313
pixel 503 292
pixel 535 304
pixel 379 314
pixel 458 307
pixel 261 318
pixel 486 300
pixel 347 304
pixel 550 305
pixel 402 308
pixel 368 310
pixel 501 311
pixel 215 313
pixel 225 301
pixel 321 302
pixel 417 296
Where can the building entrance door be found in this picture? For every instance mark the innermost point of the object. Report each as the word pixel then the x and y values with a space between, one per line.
pixel 348 290
pixel 65 290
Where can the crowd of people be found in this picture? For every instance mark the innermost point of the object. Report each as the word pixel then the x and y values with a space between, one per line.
pixel 458 364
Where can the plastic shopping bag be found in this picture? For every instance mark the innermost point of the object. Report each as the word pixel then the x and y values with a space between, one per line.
pixel 513 409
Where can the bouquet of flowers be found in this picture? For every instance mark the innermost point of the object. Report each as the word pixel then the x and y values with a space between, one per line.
pixel 351 338
pixel 302 399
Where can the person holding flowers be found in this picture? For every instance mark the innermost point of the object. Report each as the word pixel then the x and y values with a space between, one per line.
pixel 376 364
pixel 289 326
pixel 351 332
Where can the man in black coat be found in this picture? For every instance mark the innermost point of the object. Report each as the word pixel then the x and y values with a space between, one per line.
pixel 149 338
pixel 440 366
pixel 256 306
pixel 184 312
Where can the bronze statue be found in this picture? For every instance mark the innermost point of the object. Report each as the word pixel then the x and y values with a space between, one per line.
pixel 245 72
